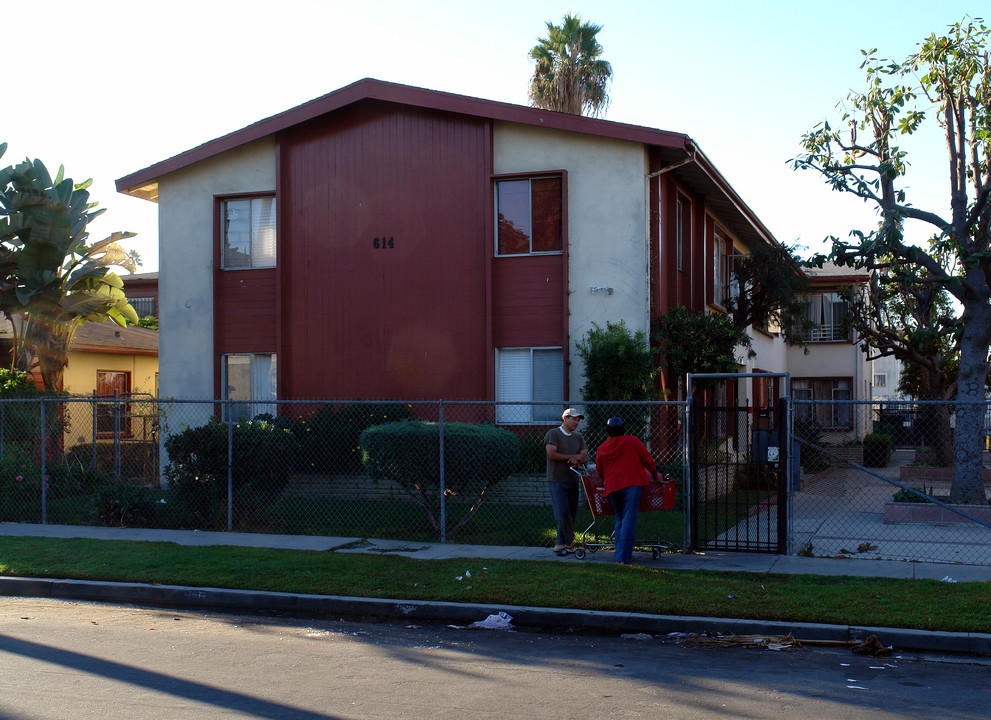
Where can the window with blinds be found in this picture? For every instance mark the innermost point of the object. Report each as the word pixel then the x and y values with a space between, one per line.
pixel 524 377
pixel 249 381
pixel 248 233
pixel 143 306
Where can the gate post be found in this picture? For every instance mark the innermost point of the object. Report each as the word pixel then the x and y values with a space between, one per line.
pixel 784 475
pixel 691 479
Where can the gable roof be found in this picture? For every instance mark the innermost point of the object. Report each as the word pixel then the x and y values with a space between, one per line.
pixel 102 337
pixel 676 149
pixel 109 337
pixel 833 274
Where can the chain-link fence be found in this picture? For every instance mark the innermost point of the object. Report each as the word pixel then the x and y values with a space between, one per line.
pixel 470 472
pixel 877 481
pixel 872 480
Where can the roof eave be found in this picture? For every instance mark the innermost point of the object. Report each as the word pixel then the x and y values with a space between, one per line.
pixel 143 183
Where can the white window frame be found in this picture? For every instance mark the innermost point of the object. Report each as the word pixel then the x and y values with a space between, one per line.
pixel 826 314
pixel 515 379
pixel 724 283
pixel 262 231
pixel 832 413
pixel 881 380
pixel 262 391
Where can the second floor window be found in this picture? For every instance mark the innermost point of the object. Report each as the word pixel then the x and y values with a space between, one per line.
pixel 827 313
pixel 683 232
pixel 143 306
pixel 529 216
pixel 720 270
pixel 248 228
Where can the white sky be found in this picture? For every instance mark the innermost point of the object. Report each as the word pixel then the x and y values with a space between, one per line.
pixel 108 87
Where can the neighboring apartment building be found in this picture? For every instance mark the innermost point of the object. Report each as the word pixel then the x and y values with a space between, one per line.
pixel 386 241
pixel 142 292
pixel 835 368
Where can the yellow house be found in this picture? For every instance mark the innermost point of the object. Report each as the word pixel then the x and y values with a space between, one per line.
pixel 109 361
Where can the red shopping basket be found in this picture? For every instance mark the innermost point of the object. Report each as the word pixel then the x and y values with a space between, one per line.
pixel 656 495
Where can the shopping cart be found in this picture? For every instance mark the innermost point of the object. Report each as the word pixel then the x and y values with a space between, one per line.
pixel 656 496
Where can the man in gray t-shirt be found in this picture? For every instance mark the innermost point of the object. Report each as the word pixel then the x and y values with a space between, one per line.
pixel 565 449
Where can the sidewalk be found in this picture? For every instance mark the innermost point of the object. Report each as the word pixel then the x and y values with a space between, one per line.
pixel 466 613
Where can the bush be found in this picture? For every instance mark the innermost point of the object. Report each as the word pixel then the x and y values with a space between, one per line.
pixel 877 449
pixel 476 457
pixel 329 440
pixel 20 419
pixel 810 432
pixel 533 453
pixel 618 366
pixel 921 494
pixel 197 470
pixel 20 486
pixel 121 505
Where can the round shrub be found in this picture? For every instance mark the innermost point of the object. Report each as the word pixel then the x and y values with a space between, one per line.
pixel 877 449
pixel 197 472
pixel 476 457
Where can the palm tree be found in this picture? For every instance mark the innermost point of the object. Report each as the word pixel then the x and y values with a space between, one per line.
pixel 570 76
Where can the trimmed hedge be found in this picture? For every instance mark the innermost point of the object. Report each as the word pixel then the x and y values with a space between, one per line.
pixel 877 449
pixel 476 457
pixel 197 470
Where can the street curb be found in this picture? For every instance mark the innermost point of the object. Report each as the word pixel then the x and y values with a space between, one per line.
pixel 207 598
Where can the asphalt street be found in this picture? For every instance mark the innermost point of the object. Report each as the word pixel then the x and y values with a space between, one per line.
pixel 91 661
pixel 412 611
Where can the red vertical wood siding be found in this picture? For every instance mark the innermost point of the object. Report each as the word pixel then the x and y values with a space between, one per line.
pixel 528 301
pixel 244 311
pixel 700 261
pixel 405 321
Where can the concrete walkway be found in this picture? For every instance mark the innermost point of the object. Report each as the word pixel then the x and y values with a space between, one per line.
pixel 467 613
pixel 717 561
pixel 841 512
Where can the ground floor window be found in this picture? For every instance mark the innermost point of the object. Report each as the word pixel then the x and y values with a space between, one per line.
pixel 830 400
pixel 250 382
pixel 525 376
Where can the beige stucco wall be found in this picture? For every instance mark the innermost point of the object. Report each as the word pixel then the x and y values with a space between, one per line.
pixel 833 360
pixel 186 247
pixel 80 379
pixel 606 223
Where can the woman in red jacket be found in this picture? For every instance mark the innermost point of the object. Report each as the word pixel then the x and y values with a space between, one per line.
pixel 624 465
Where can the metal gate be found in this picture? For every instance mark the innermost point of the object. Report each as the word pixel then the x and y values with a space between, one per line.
pixel 738 467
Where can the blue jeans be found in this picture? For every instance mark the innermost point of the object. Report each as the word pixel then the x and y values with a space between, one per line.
pixel 564 499
pixel 626 502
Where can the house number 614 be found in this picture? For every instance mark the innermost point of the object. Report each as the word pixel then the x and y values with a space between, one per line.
pixel 382 243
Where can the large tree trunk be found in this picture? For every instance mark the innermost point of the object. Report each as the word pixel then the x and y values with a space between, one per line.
pixel 971 408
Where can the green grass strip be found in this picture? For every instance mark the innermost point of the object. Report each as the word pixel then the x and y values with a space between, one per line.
pixel 920 604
